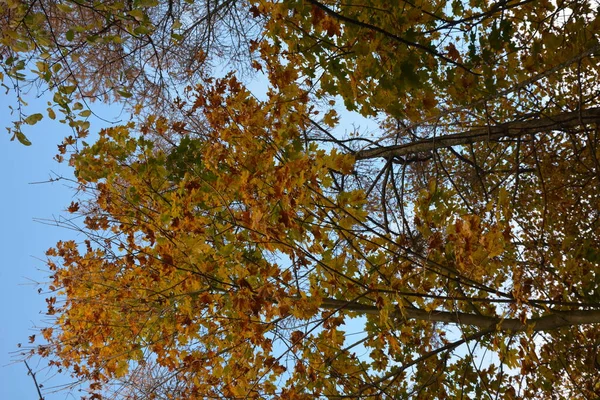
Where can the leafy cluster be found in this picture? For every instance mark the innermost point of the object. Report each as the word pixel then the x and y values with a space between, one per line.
pixel 242 245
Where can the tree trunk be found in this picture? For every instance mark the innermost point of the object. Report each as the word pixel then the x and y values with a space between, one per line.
pixel 548 322
pixel 486 133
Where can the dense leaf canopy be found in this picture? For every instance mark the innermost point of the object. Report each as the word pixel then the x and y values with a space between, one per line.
pixel 259 245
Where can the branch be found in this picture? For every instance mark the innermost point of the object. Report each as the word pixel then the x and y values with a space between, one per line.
pixel 398 370
pixel 548 322
pixel 485 133
pixel 37 386
pixel 427 49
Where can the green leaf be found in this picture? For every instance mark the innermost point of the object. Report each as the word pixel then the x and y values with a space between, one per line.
pixel 137 14
pixel 51 113
pixel 142 30
pixel 64 8
pixel 68 89
pixel 409 74
pixel 33 119
pixel 124 93
pixel 21 46
pixel 85 113
pixel 145 3
pixel 118 39
pixel 591 254
pixel 41 66
pixel 22 138
pixel 70 35
pixel 177 37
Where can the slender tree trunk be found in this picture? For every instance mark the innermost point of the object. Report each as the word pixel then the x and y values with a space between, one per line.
pixel 486 133
pixel 548 322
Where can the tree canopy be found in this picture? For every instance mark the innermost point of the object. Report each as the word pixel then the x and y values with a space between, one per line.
pixel 258 245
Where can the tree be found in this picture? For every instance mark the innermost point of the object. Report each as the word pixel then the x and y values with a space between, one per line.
pixel 238 255
pixel 136 53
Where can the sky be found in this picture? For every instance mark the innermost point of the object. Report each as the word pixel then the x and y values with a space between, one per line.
pixel 24 240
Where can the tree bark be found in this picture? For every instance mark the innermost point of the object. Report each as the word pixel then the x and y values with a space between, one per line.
pixel 548 322
pixel 486 133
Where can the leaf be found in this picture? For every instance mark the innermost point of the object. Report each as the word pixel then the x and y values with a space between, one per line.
pixel 22 138
pixel 137 14
pixel 125 94
pixel 74 207
pixel 64 8
pixel 331 118
pixel 142 30
pixel 33 119
pixel 67 89
pixel 42 66
pixel 146 3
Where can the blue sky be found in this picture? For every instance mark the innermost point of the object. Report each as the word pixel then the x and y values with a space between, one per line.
pixel 23 242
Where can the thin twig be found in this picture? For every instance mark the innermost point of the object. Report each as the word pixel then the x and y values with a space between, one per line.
pixel 37 386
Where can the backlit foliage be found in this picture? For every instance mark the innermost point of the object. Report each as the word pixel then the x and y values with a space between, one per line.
pixel 258 245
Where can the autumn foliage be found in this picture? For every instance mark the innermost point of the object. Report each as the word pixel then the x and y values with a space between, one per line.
pixel 258 245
